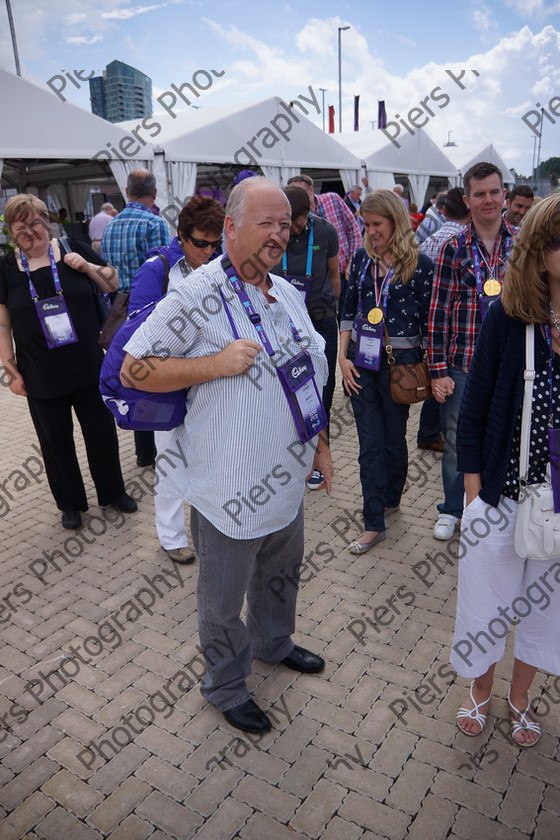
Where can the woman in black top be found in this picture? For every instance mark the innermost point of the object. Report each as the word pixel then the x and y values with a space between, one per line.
pixel 389 287
pixel 48 308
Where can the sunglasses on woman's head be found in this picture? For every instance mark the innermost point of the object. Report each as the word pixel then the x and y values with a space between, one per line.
pixel 554 244
pixel 203 243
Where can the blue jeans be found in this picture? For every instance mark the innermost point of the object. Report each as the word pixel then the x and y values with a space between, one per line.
pixel 342 298
pixel 429 427
pixel 453 486
pixel 381 427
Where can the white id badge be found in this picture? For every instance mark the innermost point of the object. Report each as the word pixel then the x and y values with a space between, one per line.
pixel 368 344
pixel 56 323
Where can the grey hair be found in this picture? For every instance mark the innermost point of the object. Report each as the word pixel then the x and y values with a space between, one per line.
pixel 235 206
pixel 141 183
pixel 107 206
pixel 355 187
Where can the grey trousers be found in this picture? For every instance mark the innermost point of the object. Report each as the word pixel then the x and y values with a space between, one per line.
pixel 230 570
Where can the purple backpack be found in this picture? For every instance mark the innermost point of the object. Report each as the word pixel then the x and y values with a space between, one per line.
pixel 132 408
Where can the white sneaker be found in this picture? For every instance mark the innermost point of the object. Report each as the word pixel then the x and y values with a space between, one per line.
pixel 445 526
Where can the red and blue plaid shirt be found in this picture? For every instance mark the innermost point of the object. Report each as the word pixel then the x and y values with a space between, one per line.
pixel 455 317
pixel 335 211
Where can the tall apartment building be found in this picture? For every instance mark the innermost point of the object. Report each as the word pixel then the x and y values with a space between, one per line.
pixel 121 93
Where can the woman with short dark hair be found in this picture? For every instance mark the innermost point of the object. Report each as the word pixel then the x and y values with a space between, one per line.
pixel 199 231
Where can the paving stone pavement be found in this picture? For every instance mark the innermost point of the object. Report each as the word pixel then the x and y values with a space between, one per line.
pixel 368 750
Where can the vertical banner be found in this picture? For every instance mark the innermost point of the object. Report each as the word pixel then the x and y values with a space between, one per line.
pixel 356 113
pixel 381 114
pixel 331 119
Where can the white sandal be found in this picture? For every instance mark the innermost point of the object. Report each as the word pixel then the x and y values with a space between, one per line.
pixel 473 714
pixel 524 724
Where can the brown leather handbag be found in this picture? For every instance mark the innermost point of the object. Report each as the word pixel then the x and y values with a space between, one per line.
pixel 118 312
pixel 409 383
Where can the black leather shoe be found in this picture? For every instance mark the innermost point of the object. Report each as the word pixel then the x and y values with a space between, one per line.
pixel 303 660
pixel 126 503
pixel 71 519
pixel 248 717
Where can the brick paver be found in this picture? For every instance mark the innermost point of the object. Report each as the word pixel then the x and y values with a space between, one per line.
pixel 371 751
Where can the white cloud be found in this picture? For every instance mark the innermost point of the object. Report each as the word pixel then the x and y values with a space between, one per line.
pixel 125 14
pixel 82 40
pixel 529 8
pixel 483 21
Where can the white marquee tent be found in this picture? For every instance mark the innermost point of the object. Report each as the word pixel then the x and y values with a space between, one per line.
pixel 51 144
pixel 465 156
pixel 418 158
pixel 267 134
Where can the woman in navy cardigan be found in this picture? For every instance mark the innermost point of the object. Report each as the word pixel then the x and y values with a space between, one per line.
pixel 496 587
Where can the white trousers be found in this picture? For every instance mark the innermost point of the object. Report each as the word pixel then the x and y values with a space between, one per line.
pixel 170 522
pixel 170 515
pixel 497 590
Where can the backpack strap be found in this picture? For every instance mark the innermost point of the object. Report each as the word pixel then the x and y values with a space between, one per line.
pixel 166 275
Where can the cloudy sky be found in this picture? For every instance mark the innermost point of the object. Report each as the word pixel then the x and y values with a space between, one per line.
pixel 399 52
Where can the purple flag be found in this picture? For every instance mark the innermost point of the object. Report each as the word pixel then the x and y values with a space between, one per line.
pixel 381 114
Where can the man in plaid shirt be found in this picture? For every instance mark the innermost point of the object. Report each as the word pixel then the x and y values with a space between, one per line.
pixel 125 245
pixel 482 251
pixel 128 238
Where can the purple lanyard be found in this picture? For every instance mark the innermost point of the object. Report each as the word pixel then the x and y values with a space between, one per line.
pixel 248 307
pixel 32 289
pixel 380 295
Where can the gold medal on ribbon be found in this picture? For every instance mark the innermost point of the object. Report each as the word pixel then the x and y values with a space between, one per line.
pixel 492 288
pixel 375 316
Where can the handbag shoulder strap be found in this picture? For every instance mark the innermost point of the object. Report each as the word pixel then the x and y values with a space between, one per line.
pixel 529 376
pixel 388 347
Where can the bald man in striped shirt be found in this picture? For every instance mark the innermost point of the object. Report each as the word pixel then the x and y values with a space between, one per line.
pixel 246 465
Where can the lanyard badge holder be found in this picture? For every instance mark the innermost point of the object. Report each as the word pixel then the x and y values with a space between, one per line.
pixel 297 375
pixel 52 312
pixel 299 282
pixel 369 331
pixel 553 434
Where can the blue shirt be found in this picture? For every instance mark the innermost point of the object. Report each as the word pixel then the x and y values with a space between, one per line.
pixel 128 238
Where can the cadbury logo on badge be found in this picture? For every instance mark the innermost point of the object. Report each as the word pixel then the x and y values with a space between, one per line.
pixel 298 371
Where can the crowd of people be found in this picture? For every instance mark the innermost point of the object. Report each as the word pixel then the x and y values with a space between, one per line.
pixel 374 284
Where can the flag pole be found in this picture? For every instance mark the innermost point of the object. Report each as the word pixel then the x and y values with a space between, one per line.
pixel 13 32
